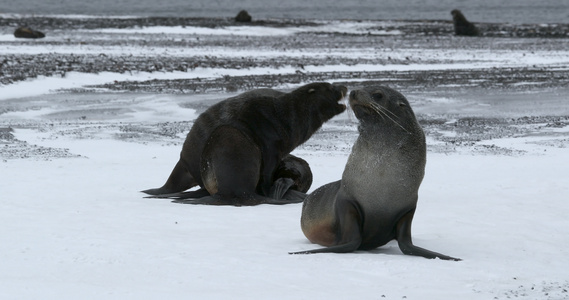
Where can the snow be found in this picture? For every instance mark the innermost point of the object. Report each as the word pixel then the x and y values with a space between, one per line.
pixel 78 228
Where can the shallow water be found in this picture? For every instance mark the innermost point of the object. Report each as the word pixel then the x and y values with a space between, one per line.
pixel 490 11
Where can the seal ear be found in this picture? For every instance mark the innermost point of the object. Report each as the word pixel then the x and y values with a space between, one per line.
pixel 310 91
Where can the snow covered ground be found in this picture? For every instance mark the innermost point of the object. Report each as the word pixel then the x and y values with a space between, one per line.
pixel 74 226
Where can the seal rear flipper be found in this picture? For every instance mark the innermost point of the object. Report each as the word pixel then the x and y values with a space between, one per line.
pixel 349 222
pixel 249 200
pixel 179 180
pixel 183 195
pixel 406 244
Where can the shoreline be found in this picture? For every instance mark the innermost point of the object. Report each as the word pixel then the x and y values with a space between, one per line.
pixel 486 82
pixel 433 27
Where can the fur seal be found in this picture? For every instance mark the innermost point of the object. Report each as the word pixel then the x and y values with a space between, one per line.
pixel 235 147
pixel 26 32
pixel 461 25
pixel 296 169
pixel 375 200
pixel 243 16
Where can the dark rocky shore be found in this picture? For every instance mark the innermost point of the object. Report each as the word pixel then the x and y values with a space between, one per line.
pixel 422 27
pixel 78 119
pixel 428 34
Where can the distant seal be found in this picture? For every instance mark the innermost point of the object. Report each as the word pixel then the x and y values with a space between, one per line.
pixel 235 147
pixel 26 32
pixel 375 200
pixel 243 16
pixel 461 25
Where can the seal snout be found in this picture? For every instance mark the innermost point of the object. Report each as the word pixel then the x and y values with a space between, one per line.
pixel 353 94
pixel 342 90
pixel 356 97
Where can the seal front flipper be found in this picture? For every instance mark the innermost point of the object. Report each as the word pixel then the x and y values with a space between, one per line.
pixel 291 179
pixel 296 169
pixel 406 244
pixel 294 196
pixel 183 195
pixel 280 187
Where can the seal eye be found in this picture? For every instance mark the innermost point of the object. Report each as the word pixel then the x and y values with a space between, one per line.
pixel 310 91
pixel 378 94
pixel 401 104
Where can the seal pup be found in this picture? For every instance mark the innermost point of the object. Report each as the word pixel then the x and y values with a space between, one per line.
pixel 375 200
pixel 294 173
pixel 234 148
pixel 461 25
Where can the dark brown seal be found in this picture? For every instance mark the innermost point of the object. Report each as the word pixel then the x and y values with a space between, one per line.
pixel 296 169
pixel 243 16
pixel 375 200
pixel 28 33
pixel 292 179
pixel 235 147
pixel 461 25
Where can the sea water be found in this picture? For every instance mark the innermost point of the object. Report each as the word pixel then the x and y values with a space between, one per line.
pixel 489 11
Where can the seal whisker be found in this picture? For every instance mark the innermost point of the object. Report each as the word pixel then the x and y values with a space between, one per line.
pixel 378 111
pixel 382 111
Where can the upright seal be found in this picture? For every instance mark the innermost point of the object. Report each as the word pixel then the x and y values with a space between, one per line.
pixel 461 24
pixel 375 200
pixel 236 146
